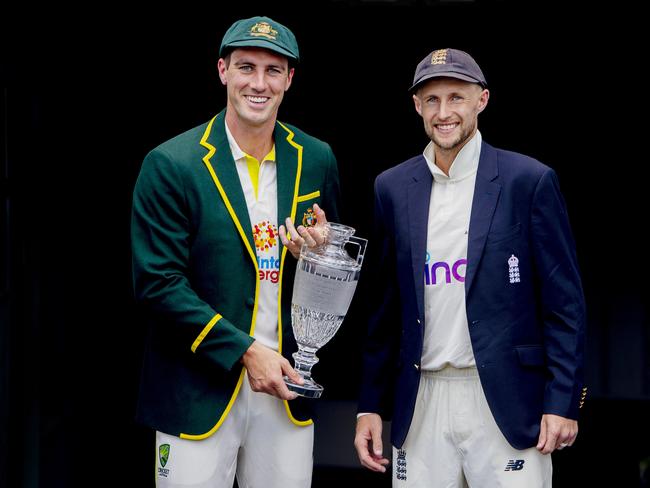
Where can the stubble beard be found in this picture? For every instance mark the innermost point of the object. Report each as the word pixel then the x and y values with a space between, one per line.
pixel 464 136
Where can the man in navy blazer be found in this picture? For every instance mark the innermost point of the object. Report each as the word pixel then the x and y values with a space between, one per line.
pixel 477 361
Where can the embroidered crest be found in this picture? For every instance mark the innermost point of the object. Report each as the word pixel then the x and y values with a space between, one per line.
pixel 513 269
pixel 309 218
pixel 263 29
pixel 400 465
pixel 439 56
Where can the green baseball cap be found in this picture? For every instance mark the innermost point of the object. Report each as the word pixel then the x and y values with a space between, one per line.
pixel 260 32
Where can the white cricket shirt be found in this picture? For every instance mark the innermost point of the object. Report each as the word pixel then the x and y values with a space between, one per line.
pixel 446 333
pixel 259 183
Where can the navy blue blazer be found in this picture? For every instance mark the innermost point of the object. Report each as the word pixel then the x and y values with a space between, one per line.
pixel 527 336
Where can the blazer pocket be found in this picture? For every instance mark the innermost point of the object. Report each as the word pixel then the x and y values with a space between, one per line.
pixel 308 196
pixel 533 355
pixel 501 235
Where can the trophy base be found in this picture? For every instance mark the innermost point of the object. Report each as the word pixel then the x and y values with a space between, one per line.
pixel 308 389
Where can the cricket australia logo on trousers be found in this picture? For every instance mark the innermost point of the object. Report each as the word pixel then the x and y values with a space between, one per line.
pixel 400 465
pixel 163 456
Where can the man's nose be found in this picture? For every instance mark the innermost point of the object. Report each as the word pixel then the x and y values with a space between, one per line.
pixel 258 82
pixel 443 111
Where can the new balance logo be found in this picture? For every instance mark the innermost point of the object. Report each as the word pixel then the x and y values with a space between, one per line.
pixel 515 465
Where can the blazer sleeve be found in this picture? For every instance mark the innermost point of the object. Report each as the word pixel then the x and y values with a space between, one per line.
pixel 161 239
pixel 562 300
pixel 381 296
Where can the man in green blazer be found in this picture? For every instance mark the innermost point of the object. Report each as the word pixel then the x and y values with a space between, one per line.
pixel 212 275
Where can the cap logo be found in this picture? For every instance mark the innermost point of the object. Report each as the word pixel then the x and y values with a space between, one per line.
pixel 263 29
pixel 439 56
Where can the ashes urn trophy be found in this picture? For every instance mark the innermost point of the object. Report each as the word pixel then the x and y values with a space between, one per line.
pixel 326 278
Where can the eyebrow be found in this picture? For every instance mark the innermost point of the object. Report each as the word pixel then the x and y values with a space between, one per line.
pixel 450 94
pixel 246 61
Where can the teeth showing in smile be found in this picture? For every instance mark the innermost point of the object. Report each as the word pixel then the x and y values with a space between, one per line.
pixel 446 127
pixel 257 99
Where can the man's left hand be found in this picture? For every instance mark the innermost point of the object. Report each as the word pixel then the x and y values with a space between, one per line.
pixel 556 433
pixel 313 236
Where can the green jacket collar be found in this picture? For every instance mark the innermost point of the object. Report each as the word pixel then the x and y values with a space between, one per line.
pixel 221 165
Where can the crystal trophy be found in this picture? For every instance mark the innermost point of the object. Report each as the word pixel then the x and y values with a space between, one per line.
pixel 326 278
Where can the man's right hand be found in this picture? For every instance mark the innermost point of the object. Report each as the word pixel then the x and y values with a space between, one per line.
pixel 293 237
pixel 368 443
pixel 266 368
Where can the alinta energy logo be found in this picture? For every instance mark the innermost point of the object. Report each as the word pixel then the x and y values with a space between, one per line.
pixel 265 235
pixel 455 270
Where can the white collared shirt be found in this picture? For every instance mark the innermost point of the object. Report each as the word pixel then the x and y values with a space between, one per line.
pixel 262 202
pixel 446 333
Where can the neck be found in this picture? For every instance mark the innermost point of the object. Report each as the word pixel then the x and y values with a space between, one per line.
pixel 256 141
pixel 445 158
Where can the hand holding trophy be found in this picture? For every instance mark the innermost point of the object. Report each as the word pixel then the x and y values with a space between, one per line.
pixel 326 279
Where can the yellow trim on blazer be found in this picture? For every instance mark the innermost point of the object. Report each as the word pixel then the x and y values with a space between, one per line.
pixel 309 196
pixel 205 331
pixel 206 160
pixel 299 423
pixel 294 205
pixel 225 413
pixel 233 215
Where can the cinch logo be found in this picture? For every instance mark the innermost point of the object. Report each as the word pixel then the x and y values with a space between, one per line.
pixel 432 273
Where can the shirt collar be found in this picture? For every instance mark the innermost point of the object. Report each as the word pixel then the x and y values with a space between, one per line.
pixel 465 164
pixel 238 154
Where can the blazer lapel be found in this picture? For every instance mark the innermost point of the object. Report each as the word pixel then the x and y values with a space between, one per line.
pixel 289 168
pixel 486 195
pixel 222 168
pixel 288 156
pixel 419 195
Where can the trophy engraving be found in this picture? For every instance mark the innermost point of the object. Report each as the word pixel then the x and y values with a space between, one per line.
pixel 325 282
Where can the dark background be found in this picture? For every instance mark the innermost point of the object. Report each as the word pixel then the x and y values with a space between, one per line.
pixel 87 93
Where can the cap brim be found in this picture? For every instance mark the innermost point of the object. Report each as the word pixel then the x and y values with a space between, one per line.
pixel 259 43
pixel 446 74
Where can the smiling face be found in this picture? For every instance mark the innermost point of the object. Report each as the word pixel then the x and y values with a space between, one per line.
pixel 255 80
pixel 449 109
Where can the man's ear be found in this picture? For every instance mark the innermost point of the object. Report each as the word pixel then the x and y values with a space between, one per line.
pixel 221 67
pixel 483 100
pixel 418 104
pixel 289 78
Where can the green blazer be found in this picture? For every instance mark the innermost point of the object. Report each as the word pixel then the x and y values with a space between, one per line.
pixel 196 275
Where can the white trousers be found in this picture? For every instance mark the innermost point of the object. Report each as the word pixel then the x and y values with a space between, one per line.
pixel 454 441
pixel 257 442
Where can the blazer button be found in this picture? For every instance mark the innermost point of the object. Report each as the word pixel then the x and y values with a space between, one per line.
pixel 417 366
pixel 250 302
pixel 419 321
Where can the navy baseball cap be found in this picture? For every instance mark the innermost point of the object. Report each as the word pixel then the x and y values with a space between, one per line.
pixel 448 63
pixel 260 32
